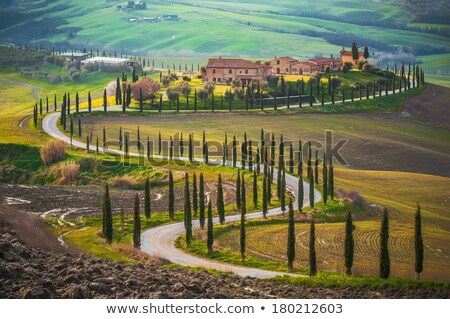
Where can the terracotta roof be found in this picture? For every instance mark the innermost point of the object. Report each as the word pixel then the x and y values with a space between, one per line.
pixel 323 60
pixel 287 58
pixel 233 63
pixel 308 63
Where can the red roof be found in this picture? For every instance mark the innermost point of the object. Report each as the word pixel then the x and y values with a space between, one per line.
pixel 233 63
pixel 324 60
pixel 308 63
pixel 287 58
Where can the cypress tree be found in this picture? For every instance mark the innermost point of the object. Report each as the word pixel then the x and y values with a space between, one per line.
pixel 291 238
pixel 264 198
pixel 138 143
pixel 311 190
pixel 244 151
pixel 46 105
pixel 258 161
pixel 220 204
pixel 141 101
pixel 255 190
pixel 325 180
pixel 250 156
pixel 147 200
pixel 120 138
pixel 202 202
pixel 127 138
pixel 40 106
pixel 137 224
pixel 171 148
pixel 418 244
pixel 210 240
pixel 349 243
pixel 234 151
pixel 206 153
pixel 283 191
pixel 159 143
pixel 312 250
pixel 104 137
pixel 195 100
pixel 105 101
pixel 96 146
pixel 54 102
pixel 194 194
pixel 71 131
pixel 68 103
pixel 301 194
pixel 300 158
pixel 77 103
pixel 191 149
pixel 107 216
pixel 330 189
pixel 79 127
pixel 385 263
pixel 87 144
pixel 316 168
pixel 171 197
pixel 181 146
pixel 243 212
pixel 238 190
pixel 187 210
pixel 160 103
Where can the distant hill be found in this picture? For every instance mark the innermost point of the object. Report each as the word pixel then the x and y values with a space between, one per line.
pixel 253 28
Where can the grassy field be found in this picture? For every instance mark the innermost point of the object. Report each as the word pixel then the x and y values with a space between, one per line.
pixel 266 239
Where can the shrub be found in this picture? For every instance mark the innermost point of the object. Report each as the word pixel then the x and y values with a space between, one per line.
pixel 272 80
pixel 70 171
pixel 76 77
pixel 346 66
pixel 367 67
pixel 55 79
pixel 53 152
pixel 125 181
pixel 72 71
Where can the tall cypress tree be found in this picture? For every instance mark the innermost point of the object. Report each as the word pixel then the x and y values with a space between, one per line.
pixel 159 143
pixel 325 180
pixel 385 262
pixel 301 193
pixel 107 216
pixel 191 149
pixel 210 239
pixel 181 146
pixel 141 101
pixel 105 101
pixel 187 210
pixel 283 191
pixel 202 202
pixel 243 212
pixel 194 194
pixel 255 190
pixel 330 190
pixel 264 197
pixel 349 243
pixel 418 244
pixel 147 200
pixel 171 197
pixel 238 190
pixel 316 168
pixel 250 156
pixel 220 204
pixel 234 151
pixel 291 238
pixel 137 224
pixel 311 190
pixel 312 250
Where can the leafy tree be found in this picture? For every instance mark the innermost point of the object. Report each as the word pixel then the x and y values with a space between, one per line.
pixel 243 212
pixel 312 250
pixel 209 87
pixel 172 94
pixel 210 240
pixel 187 210
pixel 137 224
pixel 385 262
pixel 107 216
pixel 418 244
pixel 349 243
pixel 202 201
pixel 291 238
pixel 171 197
pixel 220 203
pixel 147 200
pixel 185 89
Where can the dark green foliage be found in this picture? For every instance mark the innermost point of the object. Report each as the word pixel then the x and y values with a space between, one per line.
pixel 418 243
pixel 238 190
pixel 202 202
pixel 137 224
pixel 330 189
pixel 171 148
pixel 210 239
pixel 311 190
pixel 283 191
pixel 264 198
pixel 159 143
pixel 194 194
pixel 255 190
pixel 366 53
pixel 312 250
pixel 385 262
pixel 141 101
pixel 191 149
pixel 243 212
pixel 301 195
pixel 187 210
pixel 147 200
pixel 234 151
pixel 107 216
pixel 171 196
pixel 316 167
pixel 105 101
pixel 349 243
pixel 325 181
pixel 291 238
pixel 220 203
pixel 104 137
pixel 355 53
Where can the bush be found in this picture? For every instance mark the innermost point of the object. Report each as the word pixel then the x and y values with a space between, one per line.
pixel 125 181
pixel 53 152
pixel 272 80
pixel 55 79
pixel 346 67
pixel 76 77
pixel 72 71
pixel 367 67
pixel 70 172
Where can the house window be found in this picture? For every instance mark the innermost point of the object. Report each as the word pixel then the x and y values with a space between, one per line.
pixel 246 71
pixel 278 62
pixel 214 80
pixel 230 71
pixel 214 71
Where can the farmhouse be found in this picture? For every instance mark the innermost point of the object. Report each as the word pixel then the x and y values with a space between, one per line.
pixel 347 56
pixel 304 67
pixel 326 64
pixel 111 61
pixel 74 56
pixel 283 65
pixel 227 70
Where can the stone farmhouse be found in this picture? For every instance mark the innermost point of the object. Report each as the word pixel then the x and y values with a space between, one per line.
pixel 224 71
pixel 347 56
pixel 288 65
